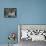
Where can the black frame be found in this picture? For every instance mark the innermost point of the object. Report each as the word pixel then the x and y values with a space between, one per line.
pixel 11 10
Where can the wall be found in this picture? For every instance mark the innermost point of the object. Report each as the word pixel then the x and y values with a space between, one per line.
pixel 28 12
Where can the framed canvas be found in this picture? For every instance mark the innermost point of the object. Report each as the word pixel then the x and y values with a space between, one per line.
pixel 10 12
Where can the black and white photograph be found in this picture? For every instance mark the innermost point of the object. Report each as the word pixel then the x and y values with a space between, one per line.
pixel 10 12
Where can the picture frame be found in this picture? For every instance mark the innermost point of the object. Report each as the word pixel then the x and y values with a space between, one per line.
pixel 10 12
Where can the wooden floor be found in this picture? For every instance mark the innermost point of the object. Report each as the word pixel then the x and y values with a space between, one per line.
pixel 30 43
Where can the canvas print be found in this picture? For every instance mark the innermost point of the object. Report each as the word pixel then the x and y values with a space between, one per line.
pixel 10 12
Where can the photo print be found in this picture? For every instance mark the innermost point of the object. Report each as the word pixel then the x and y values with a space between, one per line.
pixel 10 12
